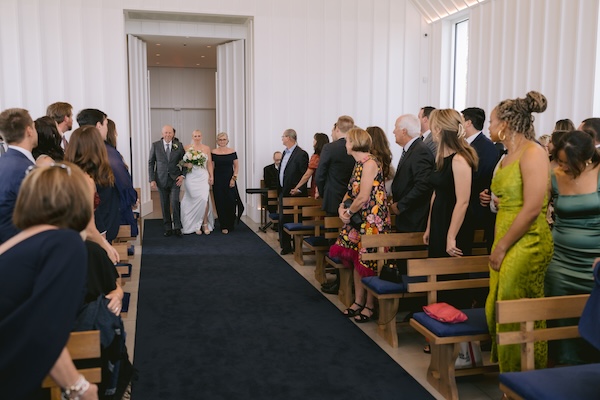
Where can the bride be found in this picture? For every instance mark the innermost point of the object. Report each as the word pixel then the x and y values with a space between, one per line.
pixel 196 209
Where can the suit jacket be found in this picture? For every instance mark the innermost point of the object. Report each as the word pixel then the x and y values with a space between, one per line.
pixel 333 174
pixel 271 176
pixel 13 165
pixel 159 167
pixel 411 188
pixel 431 144
pixel 488 158
pixel 294 170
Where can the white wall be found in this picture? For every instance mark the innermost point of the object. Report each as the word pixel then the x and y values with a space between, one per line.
pixel 520 45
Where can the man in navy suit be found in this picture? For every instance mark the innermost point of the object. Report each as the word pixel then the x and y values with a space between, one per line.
pixel 488 158
pixel 411 188
pixel 18 131
pixel 294 164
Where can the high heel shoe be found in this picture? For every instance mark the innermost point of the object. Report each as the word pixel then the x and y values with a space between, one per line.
pixel 206 230
pixel 362 318
pixel 349 312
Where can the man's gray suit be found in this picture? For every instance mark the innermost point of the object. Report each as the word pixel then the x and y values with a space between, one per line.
pixel 431 144
pixel 164 171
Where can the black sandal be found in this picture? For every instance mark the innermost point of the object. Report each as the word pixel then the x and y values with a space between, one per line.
pixel 348 312
pixel 361 318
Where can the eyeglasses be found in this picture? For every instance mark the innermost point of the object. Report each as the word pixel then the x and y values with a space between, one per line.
pixel 53 165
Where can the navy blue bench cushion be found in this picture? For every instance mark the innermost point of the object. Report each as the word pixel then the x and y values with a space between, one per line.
pixel 380 286
pixel 125 302
pixel 128 265
pixel 578 382
pixel 474 325
pixel 297 226
pixel 316 241
pixel 274 216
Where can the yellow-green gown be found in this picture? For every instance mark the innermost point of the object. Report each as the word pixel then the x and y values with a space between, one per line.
pixel 523 269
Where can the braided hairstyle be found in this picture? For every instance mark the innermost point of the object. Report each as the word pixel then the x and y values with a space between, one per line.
pixel 517 112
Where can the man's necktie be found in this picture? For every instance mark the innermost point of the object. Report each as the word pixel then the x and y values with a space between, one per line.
pixel 64 142
pixel 168 150
pixel 2 149
pixel 401 158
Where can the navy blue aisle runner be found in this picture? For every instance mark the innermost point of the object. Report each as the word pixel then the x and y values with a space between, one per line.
pixel 225 317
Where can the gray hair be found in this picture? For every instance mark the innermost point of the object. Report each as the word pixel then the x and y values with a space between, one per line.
pixel 291 134
pixel 411 123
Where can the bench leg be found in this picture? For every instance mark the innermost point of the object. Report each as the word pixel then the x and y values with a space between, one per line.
pixel 320 268
pixel 387 321
pixel 346 284
pixel 441 372
pixel 298 254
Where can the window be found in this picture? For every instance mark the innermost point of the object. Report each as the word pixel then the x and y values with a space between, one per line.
pixel 461 62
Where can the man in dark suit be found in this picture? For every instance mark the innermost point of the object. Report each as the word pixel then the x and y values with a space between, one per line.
pixel 425 131
pixel 482 179
pixel 411 188
pixel 165 174
pixel 271 177
pixel 293 166
pixel 18 131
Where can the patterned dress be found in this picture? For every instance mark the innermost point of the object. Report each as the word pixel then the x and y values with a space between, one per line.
pixel 375 220
pixel 523 269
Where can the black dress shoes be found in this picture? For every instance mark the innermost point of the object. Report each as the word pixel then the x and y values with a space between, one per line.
pixel 283 252
pixel 178 232
pixel 332 289
pixel 168 233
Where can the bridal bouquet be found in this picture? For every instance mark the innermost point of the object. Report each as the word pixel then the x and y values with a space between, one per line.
pixel 193 157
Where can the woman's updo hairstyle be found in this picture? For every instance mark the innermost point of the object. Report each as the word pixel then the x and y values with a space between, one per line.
pixel 517 112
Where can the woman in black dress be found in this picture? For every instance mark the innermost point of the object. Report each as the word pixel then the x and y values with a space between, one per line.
pixel 450 226
pixel 227 198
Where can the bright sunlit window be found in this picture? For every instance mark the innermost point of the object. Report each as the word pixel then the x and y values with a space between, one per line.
pixel 461 62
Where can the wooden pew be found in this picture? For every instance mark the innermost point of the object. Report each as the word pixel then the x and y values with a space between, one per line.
pixel 445 339
pixel 82 346
pixel 329 231
pixel 300 227
pixel 273 201
pixel 392 246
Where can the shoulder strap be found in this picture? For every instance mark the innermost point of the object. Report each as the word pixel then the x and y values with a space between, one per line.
pixel 26 234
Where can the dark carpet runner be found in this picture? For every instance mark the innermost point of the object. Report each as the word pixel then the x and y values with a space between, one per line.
pixel 224 317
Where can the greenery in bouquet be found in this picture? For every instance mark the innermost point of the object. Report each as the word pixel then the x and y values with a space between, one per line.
pixel 193 157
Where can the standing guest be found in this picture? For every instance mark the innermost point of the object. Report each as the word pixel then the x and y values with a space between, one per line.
pixel 564 125
pixel 366 195
pixel 449 229
pixel 39 300
pixel 293 166
pixel 123 181
pixel 319 140
pixel 425 131
pixel 271 179
pixel 487 154
pixel 166 175
pixel 332 176
pixel 227 198
pixel 591 126
pixel 411 187
pixel 48 139
pixel 18 130
pixel 196 215
pixel 523 243
pixel 62 114
pixel 380 148
pixel 86 149
pixel 576 231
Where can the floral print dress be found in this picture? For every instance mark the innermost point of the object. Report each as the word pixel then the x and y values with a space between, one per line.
pixel 375 220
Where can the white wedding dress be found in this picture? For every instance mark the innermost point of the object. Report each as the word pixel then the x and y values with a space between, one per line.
pixel 195 201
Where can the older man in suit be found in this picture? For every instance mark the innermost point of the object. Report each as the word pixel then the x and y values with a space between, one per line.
pixel 411 188
pixel 425 131
pixel 18 131
pixel 166 175
pixel 488 158
pixel 293 166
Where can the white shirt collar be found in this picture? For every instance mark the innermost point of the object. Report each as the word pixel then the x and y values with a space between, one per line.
pixel 410 142
pixel 426 133
pixel 25 152
pixel 471 138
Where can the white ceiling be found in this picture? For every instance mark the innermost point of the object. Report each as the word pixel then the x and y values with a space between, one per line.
pixel 192 52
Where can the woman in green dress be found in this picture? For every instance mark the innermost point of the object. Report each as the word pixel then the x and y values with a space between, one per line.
pixel 576 232
pixel 523 243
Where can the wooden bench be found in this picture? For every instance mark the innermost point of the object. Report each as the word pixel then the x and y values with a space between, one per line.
pixel 445 339
pixel 525 312
pixel 300 226
pixel 82 346
pixel 273 201
pixel 328 232
pixel 391 247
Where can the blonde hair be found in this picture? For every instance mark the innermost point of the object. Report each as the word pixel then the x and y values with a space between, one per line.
pixel 361 140
pixel 222 135
pixel 59 195
pixel 450 124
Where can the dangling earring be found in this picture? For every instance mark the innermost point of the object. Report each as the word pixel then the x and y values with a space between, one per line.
pixel 502 138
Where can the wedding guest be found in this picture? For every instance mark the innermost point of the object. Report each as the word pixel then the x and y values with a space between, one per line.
pixel 62 114
pixel 381 150
pixel 39 300
pixel 319 140
pixel 48 139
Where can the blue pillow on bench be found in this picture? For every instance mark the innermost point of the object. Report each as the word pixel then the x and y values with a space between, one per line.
pixel 475 324
pixel 297 226
pixel 579 382
pixel 317 241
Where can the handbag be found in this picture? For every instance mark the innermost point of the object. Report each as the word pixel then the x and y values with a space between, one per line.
pixel 390 273
pixel 356 219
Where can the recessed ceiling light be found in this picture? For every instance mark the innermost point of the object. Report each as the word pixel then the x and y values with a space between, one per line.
pixel 209 47
pixel 157 63
pixel 197 64
pixel 202 56
pixel 157 55
pixel 158 44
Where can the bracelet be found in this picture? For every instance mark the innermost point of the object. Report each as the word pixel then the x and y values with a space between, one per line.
pixel 234 177
pixel 75 391
pixel 348 212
